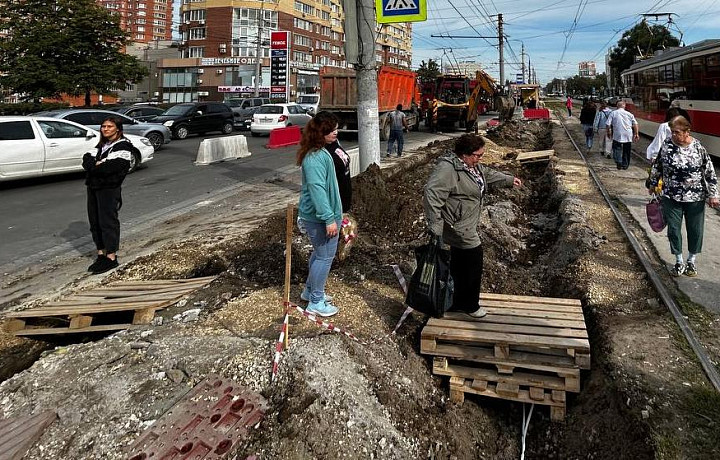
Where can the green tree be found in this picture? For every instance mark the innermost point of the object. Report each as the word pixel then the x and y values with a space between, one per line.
pixel 641 40
pixel 64 46
pixel 429 71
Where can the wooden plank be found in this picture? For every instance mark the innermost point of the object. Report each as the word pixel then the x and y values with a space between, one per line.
pixel 67 330
pixel 144 316
pixel 511 328
pixel 461 335
pixel 532 306
pixel 582 360
pixel 530 299
pixel 65 311
pixel 537 394
pixel 479 385
pixel 557 414
pixel 504 319
pixel 151 283
pixel 560 365
pixel 536 314
pixel 80 321
pixel 491 391
pixel 507 389
pixel 14 325
pixel 522 156
pixel 119 293
pixel 525 379
pixel 82 301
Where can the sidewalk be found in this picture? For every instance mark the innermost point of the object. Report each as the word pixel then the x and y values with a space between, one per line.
pixel 702 289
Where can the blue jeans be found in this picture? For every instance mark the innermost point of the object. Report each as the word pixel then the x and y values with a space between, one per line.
pixel 324 249
pixel 396 134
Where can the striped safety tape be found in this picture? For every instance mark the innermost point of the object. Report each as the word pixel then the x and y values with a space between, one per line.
pixel 279 345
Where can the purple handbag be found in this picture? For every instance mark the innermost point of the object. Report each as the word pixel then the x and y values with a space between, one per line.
pixel 654 214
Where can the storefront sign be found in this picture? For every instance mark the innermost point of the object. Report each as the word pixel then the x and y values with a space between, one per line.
pixel 279 50
pixel 241 89
pixel 228 61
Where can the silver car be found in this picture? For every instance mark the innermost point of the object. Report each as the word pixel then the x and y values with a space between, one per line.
pixel 157 134
pixel 273 116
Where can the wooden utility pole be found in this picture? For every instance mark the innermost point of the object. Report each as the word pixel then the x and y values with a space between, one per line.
pixel 367 87
pixel 501 49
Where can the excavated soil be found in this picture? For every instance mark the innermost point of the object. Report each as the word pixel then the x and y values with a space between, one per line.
pixel 339 398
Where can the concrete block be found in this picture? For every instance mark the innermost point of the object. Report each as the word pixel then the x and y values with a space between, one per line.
pixel 218 149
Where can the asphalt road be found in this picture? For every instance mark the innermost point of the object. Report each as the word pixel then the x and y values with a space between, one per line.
pixel 42 217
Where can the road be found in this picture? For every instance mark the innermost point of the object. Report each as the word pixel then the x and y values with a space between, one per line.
pixel 42 217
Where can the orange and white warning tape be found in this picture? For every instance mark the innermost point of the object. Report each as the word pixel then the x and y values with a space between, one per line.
pixel 279 345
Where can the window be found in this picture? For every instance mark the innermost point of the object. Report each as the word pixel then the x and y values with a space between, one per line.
pixel 197 33
pixel 325 30
pixel 196 51
pixel 303 24
pixel 194 15
pixel 324 15
pixel 302 40
pixel 59 130
pixel 16 130
pixel 303 8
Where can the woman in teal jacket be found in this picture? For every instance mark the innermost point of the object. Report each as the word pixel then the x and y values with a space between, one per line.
pixel 453 201
pixel 319 210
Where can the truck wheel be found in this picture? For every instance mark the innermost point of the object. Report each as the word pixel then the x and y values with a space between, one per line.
pixel 385 132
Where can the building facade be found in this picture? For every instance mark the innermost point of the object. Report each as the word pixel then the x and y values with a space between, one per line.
pixel 145 20
pixel 221 41
pixel 586 69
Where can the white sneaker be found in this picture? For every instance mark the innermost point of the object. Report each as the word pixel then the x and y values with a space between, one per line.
pixel 479 313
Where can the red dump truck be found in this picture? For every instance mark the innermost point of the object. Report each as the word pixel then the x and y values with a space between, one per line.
pixel 338 94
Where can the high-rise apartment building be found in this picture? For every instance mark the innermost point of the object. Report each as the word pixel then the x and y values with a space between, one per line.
pixel 144 20
pixel 219 46
pixel 586 68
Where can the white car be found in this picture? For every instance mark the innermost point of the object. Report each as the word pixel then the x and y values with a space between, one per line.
pixel 41 146
pixel 272 116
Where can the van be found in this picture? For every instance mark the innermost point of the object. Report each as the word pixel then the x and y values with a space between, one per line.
pixel 309 102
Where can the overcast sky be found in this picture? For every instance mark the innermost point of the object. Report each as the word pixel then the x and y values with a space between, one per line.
pixel 557 33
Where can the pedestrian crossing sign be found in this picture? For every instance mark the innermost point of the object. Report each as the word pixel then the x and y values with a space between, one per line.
pixel 389 11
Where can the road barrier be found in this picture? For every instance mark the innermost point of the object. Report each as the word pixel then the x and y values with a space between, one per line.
pixel 218 149
pixel 536 114
pixel 282 137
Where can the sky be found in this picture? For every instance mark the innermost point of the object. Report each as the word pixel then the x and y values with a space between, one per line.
pixel 557 34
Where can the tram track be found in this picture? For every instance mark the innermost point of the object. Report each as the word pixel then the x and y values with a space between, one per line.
pixel 667 298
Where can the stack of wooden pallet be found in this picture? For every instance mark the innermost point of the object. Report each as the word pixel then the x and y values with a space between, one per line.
pixel 527 349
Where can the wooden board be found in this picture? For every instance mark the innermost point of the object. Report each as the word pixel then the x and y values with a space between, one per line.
pixel 554 398
pixel 555 379
pixel 536 156
pixel 540 332
pixel 110 307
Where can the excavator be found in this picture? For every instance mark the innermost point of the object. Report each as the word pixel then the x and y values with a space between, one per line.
pixel 457 99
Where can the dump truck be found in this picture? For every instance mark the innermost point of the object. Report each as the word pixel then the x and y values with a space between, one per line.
pixel 457 101
pixel 338 94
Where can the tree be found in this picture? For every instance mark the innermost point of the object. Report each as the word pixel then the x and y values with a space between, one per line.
pixel 428 72
pixel 64 46
pixel 641 40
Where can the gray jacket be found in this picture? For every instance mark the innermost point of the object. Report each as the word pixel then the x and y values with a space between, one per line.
pixel 453 200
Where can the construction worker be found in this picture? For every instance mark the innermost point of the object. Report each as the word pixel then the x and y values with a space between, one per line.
pixel 398 123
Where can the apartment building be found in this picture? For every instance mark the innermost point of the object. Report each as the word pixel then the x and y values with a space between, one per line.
pixel 219 47
pixel 586 69
pixel 145 20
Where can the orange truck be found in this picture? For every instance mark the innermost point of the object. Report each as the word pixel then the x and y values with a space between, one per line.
pixel 338 94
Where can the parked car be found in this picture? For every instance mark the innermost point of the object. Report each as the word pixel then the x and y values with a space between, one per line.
pixel 244 121
pixel 41 146
pixel 309 102
pixel 272 116
pixel 92 118
pixel 197 118
pixel 140 112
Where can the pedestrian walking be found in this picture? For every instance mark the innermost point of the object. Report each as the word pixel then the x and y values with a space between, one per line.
pixel 105 170
pixel 319 210
pixel 623 130
pixel 569 105
pixel 453 202
pixel 663 132
pixel 398 123
pixel 587 118
pixel 688 179
pixel 600 127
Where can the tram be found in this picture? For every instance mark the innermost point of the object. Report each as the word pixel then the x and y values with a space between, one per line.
pixel 687 77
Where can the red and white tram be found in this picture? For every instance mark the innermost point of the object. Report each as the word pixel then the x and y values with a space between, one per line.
pixel 687 77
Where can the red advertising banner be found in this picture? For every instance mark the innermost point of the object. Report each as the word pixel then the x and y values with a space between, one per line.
pixel 279 53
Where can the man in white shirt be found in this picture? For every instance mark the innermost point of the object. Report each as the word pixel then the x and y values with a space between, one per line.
pixel 622 128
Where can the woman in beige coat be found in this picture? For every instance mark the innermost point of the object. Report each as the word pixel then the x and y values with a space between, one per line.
pixel 453 201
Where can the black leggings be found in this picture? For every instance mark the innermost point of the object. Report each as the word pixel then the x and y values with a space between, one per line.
pixel 102 207
pixel 466 266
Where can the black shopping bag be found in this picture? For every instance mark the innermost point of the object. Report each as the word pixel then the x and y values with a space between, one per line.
pixel 431 287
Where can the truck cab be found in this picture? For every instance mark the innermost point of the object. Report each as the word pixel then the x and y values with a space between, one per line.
pixel 309 102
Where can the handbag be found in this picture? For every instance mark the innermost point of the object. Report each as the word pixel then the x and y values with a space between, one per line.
pixel 431 287
pixel 654 213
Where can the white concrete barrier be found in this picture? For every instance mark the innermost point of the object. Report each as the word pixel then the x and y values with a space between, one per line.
pixel 218 149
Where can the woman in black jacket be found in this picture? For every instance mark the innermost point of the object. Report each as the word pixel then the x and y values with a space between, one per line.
pixel 106 169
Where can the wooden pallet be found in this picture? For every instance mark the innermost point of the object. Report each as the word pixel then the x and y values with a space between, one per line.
pixel 509 391
pixel 538 332
pixel 535 157
pixel 112 307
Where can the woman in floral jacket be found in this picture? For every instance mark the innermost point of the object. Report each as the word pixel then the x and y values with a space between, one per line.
pixel 688 179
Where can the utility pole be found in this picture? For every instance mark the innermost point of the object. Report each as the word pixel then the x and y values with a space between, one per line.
pixel 522 60
pixel 258 48
pixel 367 87
pixel 501 48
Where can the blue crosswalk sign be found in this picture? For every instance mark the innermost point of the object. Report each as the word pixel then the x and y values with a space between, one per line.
pixel 400 10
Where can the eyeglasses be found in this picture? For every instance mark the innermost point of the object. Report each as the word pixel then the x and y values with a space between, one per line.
pixel 476 155
pixel 678 133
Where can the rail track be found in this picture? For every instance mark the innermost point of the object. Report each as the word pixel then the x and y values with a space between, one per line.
pixel 667 298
